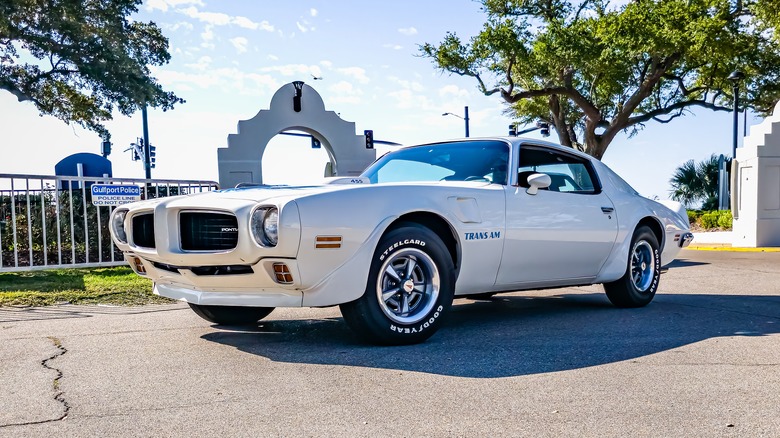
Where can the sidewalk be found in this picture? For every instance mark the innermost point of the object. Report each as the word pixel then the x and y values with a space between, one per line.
pixel 722 241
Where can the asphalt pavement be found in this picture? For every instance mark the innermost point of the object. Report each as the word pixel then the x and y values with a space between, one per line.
pixel 703 359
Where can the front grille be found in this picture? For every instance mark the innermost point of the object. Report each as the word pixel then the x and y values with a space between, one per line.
pixel 143 230
pixel 222 270
pixel 208 231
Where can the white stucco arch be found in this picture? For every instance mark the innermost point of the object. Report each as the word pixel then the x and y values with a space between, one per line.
pixel 241 160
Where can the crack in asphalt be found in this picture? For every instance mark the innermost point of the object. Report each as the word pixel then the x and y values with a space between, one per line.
pixel 59 395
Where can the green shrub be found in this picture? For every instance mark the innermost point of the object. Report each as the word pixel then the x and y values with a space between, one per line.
pixel 725 220
pixel 711 220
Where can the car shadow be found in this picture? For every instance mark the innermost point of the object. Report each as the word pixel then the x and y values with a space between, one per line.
pixel 684 263
pixel 514 335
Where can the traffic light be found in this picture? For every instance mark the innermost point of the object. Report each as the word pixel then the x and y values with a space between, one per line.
pixel 152 156
pixel 513 130
pixel 315 143
pixel 105 148
pixel 544 129
pixel 369 138
pixel 136 151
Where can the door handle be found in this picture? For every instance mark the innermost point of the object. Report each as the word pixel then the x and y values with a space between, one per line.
pixel 607 209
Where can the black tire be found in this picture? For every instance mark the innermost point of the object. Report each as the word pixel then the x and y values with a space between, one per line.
pixel 409 289
pixel 231 315
pixel 637 287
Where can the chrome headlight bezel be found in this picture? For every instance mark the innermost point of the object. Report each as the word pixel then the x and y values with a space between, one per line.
pixel 118 225
pixel 265 226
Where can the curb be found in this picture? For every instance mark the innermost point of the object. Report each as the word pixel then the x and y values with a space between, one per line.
pixel 728 247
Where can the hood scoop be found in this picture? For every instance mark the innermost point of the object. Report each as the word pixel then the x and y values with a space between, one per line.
pixel 346 180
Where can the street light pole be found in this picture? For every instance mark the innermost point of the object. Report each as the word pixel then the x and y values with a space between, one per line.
pixel 735 77
pixel 465 119
pixel 466 111
pixel 147 149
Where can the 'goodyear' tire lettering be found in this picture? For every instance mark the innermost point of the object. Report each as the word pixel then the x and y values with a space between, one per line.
pixel 421 327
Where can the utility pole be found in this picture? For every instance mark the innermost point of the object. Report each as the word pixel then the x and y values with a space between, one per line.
pixel 147 157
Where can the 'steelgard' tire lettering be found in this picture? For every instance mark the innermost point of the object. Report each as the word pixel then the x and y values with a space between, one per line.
pixel 420 243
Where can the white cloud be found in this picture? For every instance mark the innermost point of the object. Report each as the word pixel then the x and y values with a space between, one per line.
pixel 163 5
pixel 208 33
pixel 246 23
pixel 294 69
pixel 230 79
pixel 220 19
pixel 408 31
pixel 239 43
pixel 344 92
pixel 408 99
pixel 357 73
pixel 214 18
pixel 408 85
pixel 453 91
pixel 273 57
pixel 301 27
pixel 180 25
pixel 326 64
pixel 266 26
pixel 313 12
pixel 201 65
pixel 393 46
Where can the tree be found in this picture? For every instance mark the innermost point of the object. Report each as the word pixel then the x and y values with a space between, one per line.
pixel 592 70
pixel 696 182
pixel 78 60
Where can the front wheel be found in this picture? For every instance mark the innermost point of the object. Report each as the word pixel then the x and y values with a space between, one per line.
pixel 637 287
pixel 231 315
pixel 409 289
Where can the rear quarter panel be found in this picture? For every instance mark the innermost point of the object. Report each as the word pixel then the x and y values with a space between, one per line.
pixel 630 209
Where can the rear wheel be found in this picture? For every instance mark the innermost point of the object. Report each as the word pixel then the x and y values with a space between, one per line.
pixel 409 289
pixel 637 287
pixel 231 315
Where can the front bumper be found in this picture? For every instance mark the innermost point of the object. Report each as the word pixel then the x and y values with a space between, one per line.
pixel 237 285
pixel 262 298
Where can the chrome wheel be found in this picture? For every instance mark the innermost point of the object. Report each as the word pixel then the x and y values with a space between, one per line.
pixel 642 265
pixel 408 286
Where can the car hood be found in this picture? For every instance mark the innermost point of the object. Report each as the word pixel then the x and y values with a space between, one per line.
pixel 264 193
pixel 274 192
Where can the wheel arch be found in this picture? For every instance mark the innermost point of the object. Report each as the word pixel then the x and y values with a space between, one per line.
pixel 655 227
pixel 440 226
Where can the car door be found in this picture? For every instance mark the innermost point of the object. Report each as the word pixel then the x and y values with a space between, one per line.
pixel 564 233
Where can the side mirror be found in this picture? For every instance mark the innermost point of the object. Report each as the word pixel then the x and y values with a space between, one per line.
pixel 538 181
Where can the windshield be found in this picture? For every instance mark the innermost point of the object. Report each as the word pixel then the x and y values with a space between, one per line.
pixel 484 160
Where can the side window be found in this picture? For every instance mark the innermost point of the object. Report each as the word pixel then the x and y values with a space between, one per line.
pixel 569 173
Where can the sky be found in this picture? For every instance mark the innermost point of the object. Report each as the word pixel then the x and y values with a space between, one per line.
pixel 230 57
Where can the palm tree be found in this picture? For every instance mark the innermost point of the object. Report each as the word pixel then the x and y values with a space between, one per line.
pixel 696 182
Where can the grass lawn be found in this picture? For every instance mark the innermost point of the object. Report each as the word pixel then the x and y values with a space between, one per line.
pixel 117 285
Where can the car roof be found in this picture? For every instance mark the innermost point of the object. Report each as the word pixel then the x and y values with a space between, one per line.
pixel 514 141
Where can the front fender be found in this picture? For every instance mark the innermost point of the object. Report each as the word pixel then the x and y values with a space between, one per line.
pixel 347 282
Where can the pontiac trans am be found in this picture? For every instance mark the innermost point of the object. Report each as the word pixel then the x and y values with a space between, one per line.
pixel 420 226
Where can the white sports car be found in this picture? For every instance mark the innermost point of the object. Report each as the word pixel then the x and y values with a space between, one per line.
pixel 394 246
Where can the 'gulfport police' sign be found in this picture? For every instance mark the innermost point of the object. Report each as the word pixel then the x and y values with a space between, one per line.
pixel 108 194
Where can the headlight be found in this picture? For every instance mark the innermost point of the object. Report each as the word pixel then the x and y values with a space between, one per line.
pixel 118 225
pixel 265 226
pixel 271 226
